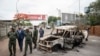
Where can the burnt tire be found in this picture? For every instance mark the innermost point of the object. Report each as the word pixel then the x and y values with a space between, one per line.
pixel 56 47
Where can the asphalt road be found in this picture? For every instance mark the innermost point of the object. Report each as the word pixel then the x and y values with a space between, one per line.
pixel 92 48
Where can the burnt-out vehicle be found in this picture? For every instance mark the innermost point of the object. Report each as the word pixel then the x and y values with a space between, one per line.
pixel 65 37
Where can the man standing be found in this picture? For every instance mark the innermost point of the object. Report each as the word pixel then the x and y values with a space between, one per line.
pixel 41 31
pixel 53 26
pixel 20 36
pixel 28 41
pixel 12 42
pixel 87 29
pixel 35 36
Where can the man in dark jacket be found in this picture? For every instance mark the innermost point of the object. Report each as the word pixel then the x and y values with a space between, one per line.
pixel 41 31
pixel 12 42
pixel 20 36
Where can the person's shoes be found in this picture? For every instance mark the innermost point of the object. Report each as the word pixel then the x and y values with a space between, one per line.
pixel 86 39
pixel 30 52
pixel 10 55
pixel 34 48
pixel 24 55
pixel 14 54
pixel 21 50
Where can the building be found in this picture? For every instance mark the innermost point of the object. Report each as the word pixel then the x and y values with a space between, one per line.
pixel 4 27
pixel 68 18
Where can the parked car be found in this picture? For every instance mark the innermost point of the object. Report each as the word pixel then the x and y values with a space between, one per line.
pixel 48 27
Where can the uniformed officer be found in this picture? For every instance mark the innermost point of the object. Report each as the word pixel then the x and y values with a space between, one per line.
pixel 28 41
pixel 35 36
pixel 12 41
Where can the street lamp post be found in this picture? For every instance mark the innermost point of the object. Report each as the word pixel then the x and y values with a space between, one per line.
pixel 79 14
pixel 17 6
pixel 17 12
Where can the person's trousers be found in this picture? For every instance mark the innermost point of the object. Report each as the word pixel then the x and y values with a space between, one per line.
pixel 87 36
pixel 12 48
pixel 20 42
pixel 28 43
pixel 35 42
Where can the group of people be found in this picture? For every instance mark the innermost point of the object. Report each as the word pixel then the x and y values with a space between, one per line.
pixel 30 36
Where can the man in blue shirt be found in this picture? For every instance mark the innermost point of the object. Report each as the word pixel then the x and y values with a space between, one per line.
pixel 41 31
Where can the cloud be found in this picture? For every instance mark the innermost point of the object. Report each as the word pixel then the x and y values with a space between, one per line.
pixel 43 6
pixel 49 7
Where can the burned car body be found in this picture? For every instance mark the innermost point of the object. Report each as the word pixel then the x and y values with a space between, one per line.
pixel 65 37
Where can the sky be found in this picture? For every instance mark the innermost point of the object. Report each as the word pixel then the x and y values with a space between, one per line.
pixel 48 7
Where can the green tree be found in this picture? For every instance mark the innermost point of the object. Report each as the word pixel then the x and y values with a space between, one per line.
pixel 93 13
pixel 22 22
pixel 43 24
pixel 27 23
pixel 53 19
pixel 58 18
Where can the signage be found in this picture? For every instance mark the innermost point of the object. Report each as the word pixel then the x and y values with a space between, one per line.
pixel 30 16
pixel 35 17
